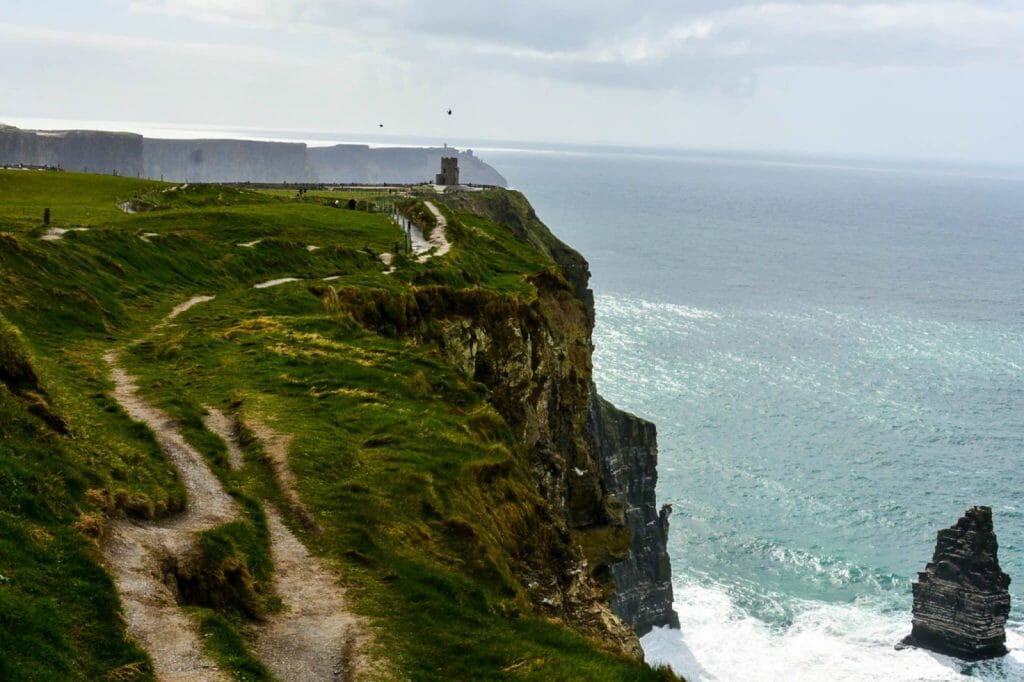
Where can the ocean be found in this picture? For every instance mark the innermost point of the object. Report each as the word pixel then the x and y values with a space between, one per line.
pixel 833 352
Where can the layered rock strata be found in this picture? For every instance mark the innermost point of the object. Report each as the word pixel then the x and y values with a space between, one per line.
pixel 962 598
pixel 626 449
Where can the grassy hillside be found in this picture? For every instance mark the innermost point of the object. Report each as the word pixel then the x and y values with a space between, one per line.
pixel 410 483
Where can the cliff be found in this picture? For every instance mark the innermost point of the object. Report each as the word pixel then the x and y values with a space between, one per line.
pixel 205 400
pixel 613 454
pixel 962 598
pixel 132 155
pixel 74 150
pixel 226 161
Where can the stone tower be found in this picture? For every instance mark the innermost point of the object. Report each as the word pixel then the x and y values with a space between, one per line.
pixel 449 174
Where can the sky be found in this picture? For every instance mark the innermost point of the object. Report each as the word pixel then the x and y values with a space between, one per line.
pixel 911 79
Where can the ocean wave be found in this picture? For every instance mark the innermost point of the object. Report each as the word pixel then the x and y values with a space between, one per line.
pixel 718 640
pixel 823 567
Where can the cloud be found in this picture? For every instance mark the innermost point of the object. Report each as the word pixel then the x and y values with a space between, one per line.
pixel 655 45
pixel 221 52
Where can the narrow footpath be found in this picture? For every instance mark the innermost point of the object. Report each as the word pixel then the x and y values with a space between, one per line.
pixel 315 636
pixel 137 553
pixel 438 237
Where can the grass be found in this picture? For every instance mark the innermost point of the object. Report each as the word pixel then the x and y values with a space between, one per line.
pixel 423 494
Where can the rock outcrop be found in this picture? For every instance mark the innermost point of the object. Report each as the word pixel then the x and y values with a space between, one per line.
pixel 232 160
pixel 961 599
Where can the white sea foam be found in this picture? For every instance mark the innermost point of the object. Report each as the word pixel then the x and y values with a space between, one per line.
pixel 835 642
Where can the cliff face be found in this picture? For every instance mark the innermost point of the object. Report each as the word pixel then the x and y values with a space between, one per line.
pixel 226 161
pixel 595 465
pixel 74 150
pixel 962 598
pixel 626 449
pixel 232 160
pixel 535 359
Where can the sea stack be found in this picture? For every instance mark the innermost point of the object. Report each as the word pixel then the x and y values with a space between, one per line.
pixel 962 598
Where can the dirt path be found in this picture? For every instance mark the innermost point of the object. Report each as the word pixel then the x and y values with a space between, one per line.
pixel 182 307
pixel 222 425
pixel 208 504
pixel 438 237
pixel 151 611
pixel 275 450
pixel 136 553
pixel 274 282
pixel 315 638
pixel 387 259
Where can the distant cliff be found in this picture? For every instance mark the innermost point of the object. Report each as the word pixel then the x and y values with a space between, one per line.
pixel 397 164
pixel 88 151
pixel 232 160
pixel 227 161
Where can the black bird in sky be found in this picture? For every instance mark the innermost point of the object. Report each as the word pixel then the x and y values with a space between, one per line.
pixel 449 112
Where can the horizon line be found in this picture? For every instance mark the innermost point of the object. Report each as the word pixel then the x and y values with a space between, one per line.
pixel 313 137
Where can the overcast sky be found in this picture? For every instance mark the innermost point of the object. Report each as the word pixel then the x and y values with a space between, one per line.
pixel 909 79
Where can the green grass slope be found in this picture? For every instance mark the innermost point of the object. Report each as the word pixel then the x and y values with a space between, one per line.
pixel 414 482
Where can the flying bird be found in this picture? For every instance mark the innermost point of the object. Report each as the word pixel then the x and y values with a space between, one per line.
pixel 449 112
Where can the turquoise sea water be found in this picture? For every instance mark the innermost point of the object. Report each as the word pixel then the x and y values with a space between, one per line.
pixel 834 356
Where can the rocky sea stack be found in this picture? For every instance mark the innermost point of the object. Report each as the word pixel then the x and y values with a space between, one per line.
pixel 962 598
